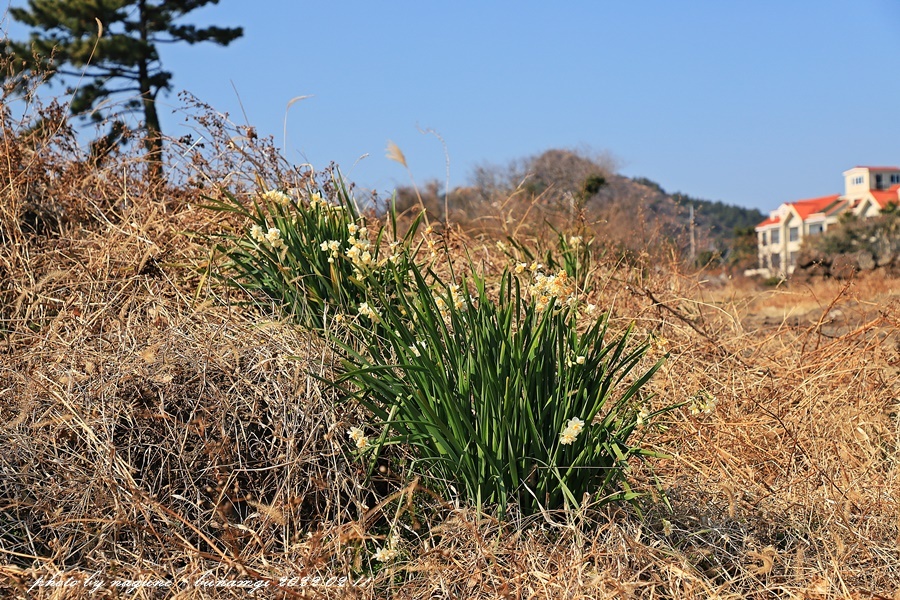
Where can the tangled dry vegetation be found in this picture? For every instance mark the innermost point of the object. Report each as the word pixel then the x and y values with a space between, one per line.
pixel 151 433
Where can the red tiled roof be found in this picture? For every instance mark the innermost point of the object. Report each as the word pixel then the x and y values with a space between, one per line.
pixel 814 205
pixel 885 197
pixel 805 208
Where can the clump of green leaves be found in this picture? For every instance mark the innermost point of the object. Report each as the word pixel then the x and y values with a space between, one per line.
pixel 310 254
pixel 503 400
pixel 502 397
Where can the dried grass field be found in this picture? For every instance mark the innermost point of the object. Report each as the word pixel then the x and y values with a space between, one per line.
pixel 155 430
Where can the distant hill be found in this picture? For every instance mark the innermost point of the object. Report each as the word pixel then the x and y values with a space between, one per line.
pixel 715 221
pixel 634 212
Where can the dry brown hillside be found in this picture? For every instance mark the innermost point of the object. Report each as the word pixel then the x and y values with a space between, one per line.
pixel 160 441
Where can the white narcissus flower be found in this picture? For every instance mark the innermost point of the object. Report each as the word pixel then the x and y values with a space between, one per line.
pixel 641 418
pixel 277 196
pixel 332 246
pixel 385 554
pixel 356 434
pixel 367 311
pixel 659 344
pixel 274 238
pixel 574 426
pixel 546 287
pixel 566 438
pixel 256 232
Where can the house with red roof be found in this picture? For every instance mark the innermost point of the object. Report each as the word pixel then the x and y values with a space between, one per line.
pixel 867 191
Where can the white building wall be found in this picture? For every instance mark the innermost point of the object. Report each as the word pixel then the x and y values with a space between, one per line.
pixel 856 181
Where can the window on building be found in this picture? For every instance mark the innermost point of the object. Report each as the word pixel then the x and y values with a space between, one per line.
pixel 815 228
pixel 858 180
pixel 794 234
pixel 763 238
pixel 776 236
pixel 776 261
pixel 793 259
pixel 895 178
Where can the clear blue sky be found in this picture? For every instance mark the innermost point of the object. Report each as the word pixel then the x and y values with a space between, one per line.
pixel 753 103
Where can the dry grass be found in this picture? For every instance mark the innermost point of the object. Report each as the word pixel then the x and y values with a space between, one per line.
pixel 150 432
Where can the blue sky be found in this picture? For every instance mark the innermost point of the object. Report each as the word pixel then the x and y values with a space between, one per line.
pixel 753 103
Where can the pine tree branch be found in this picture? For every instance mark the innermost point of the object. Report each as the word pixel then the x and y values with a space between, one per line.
pixel 104 74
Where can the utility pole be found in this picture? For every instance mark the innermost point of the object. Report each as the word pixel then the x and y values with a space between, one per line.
pixel 693 239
